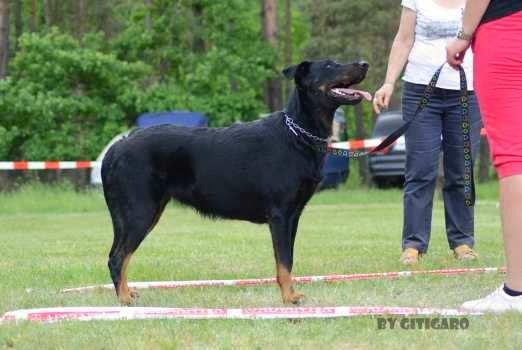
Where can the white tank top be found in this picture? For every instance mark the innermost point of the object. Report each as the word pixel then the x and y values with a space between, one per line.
pixel 436 26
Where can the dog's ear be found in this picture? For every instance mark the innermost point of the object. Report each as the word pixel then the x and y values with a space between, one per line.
pixel 289 72
pixel 297 71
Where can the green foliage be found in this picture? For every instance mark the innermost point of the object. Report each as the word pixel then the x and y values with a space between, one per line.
pixel 6 138
pixel 349 30
pixel 69 92
pixel 208 56
pixel 62 101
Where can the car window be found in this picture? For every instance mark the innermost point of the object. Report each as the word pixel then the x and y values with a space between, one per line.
pixel 387 124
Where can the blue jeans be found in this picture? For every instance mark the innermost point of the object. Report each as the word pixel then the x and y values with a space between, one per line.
pixel 437 127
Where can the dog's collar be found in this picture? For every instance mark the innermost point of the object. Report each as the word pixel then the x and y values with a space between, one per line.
pixel 297 130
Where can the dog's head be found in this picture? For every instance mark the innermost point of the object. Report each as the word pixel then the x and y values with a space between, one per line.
pixel 329 81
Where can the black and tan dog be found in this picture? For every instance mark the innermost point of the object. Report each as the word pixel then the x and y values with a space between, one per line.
pixel 263 172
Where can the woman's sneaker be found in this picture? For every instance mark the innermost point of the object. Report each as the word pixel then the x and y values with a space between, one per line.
pixel 464 252
pixel 497 302
pixel 409 256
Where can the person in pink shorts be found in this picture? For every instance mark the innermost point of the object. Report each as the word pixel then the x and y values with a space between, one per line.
pixel 493 28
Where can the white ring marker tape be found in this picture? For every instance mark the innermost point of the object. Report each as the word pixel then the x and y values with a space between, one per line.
pixel 145 313
pixel 300 280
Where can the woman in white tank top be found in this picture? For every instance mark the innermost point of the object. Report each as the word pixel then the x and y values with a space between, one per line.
pixel 426 27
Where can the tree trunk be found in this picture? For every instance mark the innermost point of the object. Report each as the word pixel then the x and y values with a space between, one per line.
pixel 81 18
pixel 198 43
pixel 34 20
pixel 4 37
pixel 148 20
pixel 360 134
pixel 58 14
pixel 288 43
pixel 102 13
pixel 484 161
pixel 18 22
pixel 47 13
pixel 273 86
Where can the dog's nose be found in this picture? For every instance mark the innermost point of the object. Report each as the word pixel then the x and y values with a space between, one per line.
pixel 364 65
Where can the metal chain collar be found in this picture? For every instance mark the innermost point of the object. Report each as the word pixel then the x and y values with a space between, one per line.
pixel 293 126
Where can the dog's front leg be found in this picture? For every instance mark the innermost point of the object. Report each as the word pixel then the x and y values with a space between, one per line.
pixel 281 228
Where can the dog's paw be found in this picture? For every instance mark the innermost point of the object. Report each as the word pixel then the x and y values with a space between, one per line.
pixel 125 300
pixel 134 294
pixel 293 298
pixel 129 298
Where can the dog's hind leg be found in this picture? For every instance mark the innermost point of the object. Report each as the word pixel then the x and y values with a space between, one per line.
pixel 132 221
pixel 282 230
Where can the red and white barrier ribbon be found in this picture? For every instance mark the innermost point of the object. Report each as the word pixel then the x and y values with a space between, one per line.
pixel 354 145
pixel 351 145
pixel 46 165
pixel 301 280
pixel 143 313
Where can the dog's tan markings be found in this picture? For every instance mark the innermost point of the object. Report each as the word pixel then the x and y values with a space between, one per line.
pixel 327 122
pixel 323 88
pixel 123 291
pixel 284 279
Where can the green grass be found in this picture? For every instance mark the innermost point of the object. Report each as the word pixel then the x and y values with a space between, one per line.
pixel 52 238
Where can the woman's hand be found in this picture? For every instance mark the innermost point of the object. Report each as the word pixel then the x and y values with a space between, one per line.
pixel 455 52
pixel 382 97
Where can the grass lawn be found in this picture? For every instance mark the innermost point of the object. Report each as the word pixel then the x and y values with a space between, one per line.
pixel 52 238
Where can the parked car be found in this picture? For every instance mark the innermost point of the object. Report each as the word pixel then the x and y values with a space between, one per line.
pixel 179 118
pixel 387 167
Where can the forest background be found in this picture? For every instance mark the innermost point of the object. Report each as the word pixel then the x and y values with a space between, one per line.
pixel 74 73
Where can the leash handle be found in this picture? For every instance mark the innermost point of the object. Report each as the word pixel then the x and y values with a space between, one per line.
pixel 469 179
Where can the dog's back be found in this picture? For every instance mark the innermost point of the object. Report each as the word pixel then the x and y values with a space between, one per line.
pixel 221 172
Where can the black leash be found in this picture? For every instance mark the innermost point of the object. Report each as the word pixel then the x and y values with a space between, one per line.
pixel 321 144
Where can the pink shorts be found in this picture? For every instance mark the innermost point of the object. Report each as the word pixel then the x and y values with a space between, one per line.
pixel 497 62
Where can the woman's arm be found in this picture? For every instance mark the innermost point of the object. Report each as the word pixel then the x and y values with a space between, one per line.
pixel 473 13
pixel 402 45
pixel 399 53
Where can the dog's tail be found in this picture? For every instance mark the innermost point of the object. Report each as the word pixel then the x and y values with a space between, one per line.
pixel 108 163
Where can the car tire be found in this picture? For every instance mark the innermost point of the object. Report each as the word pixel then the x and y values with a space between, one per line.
pixel 388 182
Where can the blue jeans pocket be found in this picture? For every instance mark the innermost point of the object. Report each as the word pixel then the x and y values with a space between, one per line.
pixel 411 96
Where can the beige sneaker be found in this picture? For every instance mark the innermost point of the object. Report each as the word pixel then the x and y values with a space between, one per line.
pixel 464 252
pixel 409 256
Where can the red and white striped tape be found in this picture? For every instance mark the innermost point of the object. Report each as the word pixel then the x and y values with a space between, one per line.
pixel 143 313
pixel 301 280
pixel 46 165
pixel 351 145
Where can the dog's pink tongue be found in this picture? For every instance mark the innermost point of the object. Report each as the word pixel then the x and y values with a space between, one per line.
pixel 352 92
pixel 366 95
